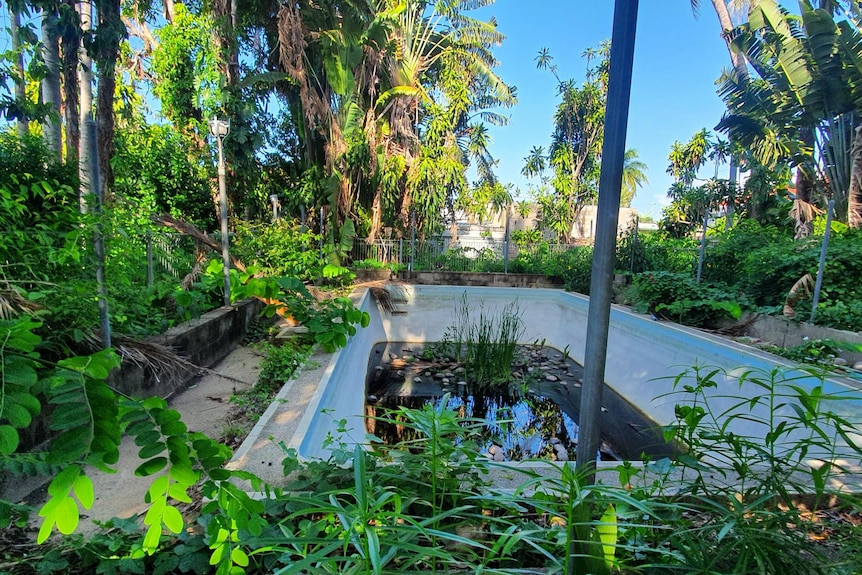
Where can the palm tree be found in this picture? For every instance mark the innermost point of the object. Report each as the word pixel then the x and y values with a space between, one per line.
pixel 801 108
pixel 634 177
pixel 723 9
pixel 439 74
pixel 535 162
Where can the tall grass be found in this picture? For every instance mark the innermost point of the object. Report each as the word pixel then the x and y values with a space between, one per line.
pixel 486 342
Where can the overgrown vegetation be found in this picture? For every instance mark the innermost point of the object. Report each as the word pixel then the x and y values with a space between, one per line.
pixel 729 504
pixel 485 344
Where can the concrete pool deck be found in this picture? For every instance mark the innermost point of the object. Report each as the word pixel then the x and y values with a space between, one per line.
pixel 644 356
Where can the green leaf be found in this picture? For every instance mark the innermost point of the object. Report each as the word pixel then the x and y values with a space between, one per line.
pixel 83 488
pixel 172 519
pixel 239 557
pixel 17 415
pixel 29 402
pixel 19 371
pixel 179 493
pixel 151 450
pixel 607 530
pixel 167 416
pixel 66 516
pixel 152 538
pixel 152 466
pixel 174 428
pixel 63 481
pixel 70 445
pixel 8 440
pixel 184 475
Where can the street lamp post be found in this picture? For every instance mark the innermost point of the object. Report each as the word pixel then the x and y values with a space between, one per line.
pixel 220 129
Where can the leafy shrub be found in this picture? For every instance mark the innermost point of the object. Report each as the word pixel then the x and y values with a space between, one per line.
pixel 727 259
pixel 156 169
pixel 840 315
pixel 283 248
pixel 280 364
pixel 574 266
pixel 741 483
pixel 679 298
pixel 667 254
pixel 532 258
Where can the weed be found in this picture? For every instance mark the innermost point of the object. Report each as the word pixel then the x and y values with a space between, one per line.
pixel 487 344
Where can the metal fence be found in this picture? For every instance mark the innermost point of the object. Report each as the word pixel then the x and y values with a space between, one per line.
pixel 440 253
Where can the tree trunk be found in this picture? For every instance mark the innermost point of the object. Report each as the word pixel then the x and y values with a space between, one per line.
pixel 70 43
pixel 23 123
pixel 52 129
pixel 85 84
pixel 112 31
pixel 738 60
pixel 731 195
pixel 854 193
pixel 804 187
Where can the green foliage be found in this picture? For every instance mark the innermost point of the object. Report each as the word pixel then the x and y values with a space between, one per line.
pixel 80 411
pixel 280 365
pixel 463 259
pixel 487 343
pixel 741 481
pixel 679 298
pixel 574 266
pixel 42 225
pixel 726 504
pixel 819 352
pixel 330 321
pixel 186 65
pixel 282 248
pixel 158 171
pixel 840 315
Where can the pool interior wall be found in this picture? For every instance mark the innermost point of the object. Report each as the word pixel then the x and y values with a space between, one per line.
pixel 644 356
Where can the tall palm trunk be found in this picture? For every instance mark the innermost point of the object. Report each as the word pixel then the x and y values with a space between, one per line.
pixel 738 60
pixel 854 194
pixel 70 41
pixel 23 124
pixel 85 84
pixel 112 30
pixel 52 128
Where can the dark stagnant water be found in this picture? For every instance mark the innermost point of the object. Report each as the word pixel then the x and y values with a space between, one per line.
pixel 535 416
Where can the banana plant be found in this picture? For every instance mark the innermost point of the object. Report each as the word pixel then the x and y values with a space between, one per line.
pixel 808 81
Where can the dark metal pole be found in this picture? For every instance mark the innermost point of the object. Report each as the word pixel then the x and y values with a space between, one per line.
pixel 222 188
pixel 98 236
pixel 412 240
pixel 601 283
pixel 702 255
pixel 506 244
pixel 819 283
pixel 151 276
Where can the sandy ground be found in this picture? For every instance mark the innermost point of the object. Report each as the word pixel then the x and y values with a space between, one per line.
pixel 203 406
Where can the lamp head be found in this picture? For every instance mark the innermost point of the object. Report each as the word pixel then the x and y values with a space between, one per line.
pixel 219 128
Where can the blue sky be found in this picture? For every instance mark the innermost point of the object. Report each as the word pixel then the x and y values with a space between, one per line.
pixel 678 58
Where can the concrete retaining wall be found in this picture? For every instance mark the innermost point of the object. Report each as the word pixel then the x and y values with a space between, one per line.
pixel 784 333
pixel 203 342
pixel 441 278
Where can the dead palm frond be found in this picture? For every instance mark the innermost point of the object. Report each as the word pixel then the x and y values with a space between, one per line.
pixel 384 299
pixel 801 289
pixel 803 213
pixel 13 304
pixel 162 361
